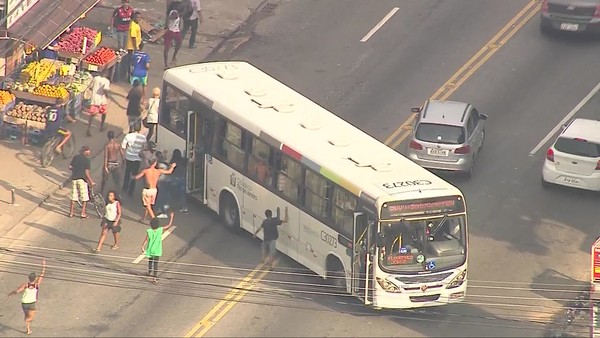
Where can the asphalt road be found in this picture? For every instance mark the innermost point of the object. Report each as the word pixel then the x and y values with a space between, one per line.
pixel 529 247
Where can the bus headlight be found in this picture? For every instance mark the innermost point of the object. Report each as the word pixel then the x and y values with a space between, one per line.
pixel 387 285
pixel 458 280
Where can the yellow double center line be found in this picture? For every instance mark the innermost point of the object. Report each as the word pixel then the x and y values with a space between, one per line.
pixel 469 68
pixel 230 300
pixel 463 74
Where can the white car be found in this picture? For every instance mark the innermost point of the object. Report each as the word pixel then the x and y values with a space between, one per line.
pixel 574 158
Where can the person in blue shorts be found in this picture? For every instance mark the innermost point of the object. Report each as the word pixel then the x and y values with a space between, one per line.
pixel 140 62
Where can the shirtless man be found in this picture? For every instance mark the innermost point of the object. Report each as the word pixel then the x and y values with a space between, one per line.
pixel 114 158
pixel 150 191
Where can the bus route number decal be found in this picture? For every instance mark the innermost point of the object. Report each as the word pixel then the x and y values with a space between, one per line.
pixel 402 184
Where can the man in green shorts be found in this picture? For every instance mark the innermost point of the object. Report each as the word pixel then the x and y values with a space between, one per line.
pixel 140 62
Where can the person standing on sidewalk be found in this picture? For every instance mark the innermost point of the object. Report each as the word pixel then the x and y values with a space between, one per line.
pixel 271 234
pixel 111 220
pixel 80 179
pixel 152 117
pixel 120 20
pixel 152 247
pixel 192 18
pixel 114 158
pixel 152 174
pixel 134 41
pixel 30 296
pixel 140 65
pixel 133 143
pixel 100 87
pixel 173 34
pixel 134 103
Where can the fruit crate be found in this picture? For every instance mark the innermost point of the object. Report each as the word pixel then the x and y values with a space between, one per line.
pixel 98 68
pixel 26 96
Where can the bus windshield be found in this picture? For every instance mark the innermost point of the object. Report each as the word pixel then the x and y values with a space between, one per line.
pixel 416 245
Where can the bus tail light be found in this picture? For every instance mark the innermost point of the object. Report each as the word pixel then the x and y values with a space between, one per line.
pixel 458 280
pixel 598 165
pixel 387 285
pixel 597 12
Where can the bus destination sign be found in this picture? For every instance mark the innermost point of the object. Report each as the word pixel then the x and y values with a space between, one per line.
pixel 451 204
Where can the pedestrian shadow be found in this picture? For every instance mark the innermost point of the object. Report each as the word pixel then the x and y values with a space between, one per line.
pixel 83 242
pixel 9 331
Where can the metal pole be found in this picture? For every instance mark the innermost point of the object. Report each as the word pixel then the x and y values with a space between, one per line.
pixel 12 197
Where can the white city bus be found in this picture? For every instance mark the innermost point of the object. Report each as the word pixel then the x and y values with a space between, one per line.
pixel 385 229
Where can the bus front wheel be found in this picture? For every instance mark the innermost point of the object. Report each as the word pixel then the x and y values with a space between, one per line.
pixel 336 274
pixel 229 211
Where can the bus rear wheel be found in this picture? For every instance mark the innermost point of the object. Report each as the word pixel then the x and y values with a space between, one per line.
pixel 229 211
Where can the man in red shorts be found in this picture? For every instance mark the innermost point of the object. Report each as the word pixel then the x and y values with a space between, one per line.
pixel 173 34
pixel 100 87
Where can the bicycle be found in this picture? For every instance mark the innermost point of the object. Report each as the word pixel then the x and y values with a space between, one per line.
pixel 97 200
pixel 49 148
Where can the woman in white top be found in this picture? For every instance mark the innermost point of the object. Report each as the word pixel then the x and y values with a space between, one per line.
pixel 111 220
pixel 173 34
pixel 30 295
pixel 152 117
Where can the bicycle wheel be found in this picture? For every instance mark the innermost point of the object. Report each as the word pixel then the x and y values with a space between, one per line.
pixel 69 147
pixel 99 204
pixel 47 155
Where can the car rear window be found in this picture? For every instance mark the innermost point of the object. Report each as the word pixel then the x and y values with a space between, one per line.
pixel 440 133
pixel 577 147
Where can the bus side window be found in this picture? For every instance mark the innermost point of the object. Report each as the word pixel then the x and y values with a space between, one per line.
pixel 259 163
pixel 317 192
pixel 344 205
pixel 289 178
pixel 232 145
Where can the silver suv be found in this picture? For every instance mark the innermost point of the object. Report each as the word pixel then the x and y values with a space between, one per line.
pixel 447 135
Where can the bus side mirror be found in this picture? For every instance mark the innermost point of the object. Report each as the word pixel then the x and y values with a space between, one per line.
pixel 415 110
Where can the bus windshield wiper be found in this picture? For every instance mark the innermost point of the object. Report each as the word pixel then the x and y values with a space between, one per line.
pixel 439 226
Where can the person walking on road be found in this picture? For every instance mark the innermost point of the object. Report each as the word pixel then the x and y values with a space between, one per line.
pixel 133 143
pixel 173 34
pixel 120 20
pixel 114 158
pixel 30 296
pixel 100 87
pixel 134 41
pixel 111 220
pixel 152 174
pixel 152 117
pixel 192 18
pixel 80 179
pixel 271 234
pixel 152 247
pixel 134 103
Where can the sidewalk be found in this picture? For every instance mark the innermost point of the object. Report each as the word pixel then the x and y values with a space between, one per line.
pixel 32 183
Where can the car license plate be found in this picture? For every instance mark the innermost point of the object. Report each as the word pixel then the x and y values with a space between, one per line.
pixel 571 27
pixel 570 180
pixel 437 152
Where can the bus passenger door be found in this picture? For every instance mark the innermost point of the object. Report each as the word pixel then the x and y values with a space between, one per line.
pixel 359 256
pixel 196 155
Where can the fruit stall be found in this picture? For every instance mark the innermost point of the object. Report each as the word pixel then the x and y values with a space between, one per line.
pixel 78 44
pixel 27 123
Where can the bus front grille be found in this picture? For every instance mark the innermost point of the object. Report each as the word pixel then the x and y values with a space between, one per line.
pixel 423 299
pixel 424 279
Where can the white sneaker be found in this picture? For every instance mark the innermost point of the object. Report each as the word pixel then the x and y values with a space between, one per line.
pixel 162 216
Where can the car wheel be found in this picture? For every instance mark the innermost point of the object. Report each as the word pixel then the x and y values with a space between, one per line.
pixel 545 26
pixel 471 170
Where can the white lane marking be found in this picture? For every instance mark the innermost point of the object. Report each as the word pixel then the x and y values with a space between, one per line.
pixel 380 24
pixel 565 119
pixel 164 235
